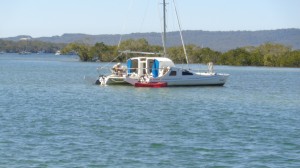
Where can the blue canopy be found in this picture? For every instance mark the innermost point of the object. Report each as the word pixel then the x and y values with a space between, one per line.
pixel 155 68
pixel 129 63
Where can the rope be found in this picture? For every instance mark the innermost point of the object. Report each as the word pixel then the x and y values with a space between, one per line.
pixel 180 30
pixel 109 62
pixel 144 16
pixel 125 21
pixel 119 43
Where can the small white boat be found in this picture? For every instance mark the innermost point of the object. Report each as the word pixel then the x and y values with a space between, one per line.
pixel 24 53
pixel 116 77
pixel 57 53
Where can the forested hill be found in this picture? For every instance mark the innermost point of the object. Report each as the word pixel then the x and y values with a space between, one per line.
pixel 216 40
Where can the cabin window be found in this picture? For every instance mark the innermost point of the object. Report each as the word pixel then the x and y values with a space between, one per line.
pixel 150 64
pixel 173 73
pixel 134 66
pixel 187 72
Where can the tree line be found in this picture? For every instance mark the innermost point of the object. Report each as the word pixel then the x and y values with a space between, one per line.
pixel 29 46
pixel 268 54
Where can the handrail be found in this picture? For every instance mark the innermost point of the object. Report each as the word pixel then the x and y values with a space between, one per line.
pixel 139 52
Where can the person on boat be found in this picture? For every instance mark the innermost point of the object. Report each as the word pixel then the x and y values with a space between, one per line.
pixel 144 79
pixel 118 69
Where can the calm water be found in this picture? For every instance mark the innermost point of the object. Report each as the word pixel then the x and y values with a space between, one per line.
pixel 51 115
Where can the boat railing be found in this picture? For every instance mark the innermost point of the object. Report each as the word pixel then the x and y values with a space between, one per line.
pixel 198 70
pixel 109 70
pixel 146 71
pixel 201 69
pixel 103 70
pixel 140 52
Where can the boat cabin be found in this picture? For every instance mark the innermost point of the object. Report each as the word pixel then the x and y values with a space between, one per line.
pixel 151 66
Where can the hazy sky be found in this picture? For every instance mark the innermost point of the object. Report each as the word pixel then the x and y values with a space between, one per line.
pixel 55 17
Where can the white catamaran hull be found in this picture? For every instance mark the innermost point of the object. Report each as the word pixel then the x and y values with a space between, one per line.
pixel 155 69
pixel 199 80
pixel 215 80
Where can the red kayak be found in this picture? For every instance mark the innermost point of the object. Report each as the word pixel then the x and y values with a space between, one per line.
pixel 151 84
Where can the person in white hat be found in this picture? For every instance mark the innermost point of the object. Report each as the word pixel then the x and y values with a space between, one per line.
pixel 118 69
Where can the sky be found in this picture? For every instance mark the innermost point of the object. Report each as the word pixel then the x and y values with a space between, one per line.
pixel 46 18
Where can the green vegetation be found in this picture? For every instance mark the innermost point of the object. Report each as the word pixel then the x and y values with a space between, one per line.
pixel 29 46
pixel 106 53
pixel 268 54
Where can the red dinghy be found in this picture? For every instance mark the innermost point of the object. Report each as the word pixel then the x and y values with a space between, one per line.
pixel 151 84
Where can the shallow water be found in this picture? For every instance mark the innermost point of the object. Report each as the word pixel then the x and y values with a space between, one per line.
pixel 52 115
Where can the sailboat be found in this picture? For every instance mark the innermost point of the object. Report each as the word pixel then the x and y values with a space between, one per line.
pixel 25 52
pixel 152 70
pixel 146 71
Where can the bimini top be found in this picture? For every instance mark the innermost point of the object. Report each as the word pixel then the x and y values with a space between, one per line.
pixel 159 64
pixel 163 61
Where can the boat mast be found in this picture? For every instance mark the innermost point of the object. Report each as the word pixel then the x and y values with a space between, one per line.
pixel 165 28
